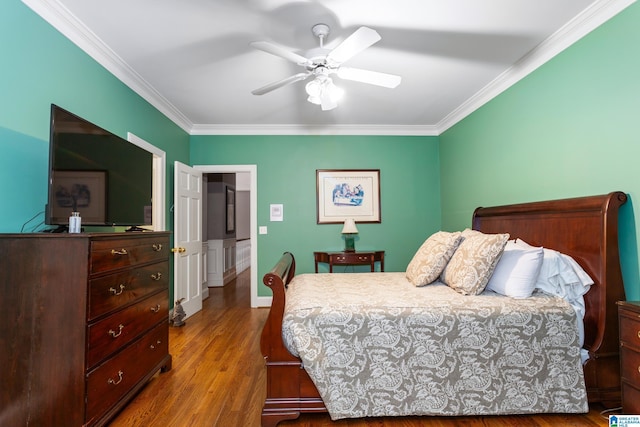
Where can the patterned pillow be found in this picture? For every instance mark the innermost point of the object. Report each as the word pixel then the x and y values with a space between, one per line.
pixel 472 264
pixel 429 261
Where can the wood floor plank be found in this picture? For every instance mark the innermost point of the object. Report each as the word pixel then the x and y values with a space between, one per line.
pixel 219 379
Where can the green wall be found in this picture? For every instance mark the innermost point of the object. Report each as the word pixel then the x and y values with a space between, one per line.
pixel 409 186
pixel 569 129
pixel 38 67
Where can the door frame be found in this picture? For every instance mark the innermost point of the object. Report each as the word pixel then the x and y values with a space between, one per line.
pixel 159 183
pixel 256 301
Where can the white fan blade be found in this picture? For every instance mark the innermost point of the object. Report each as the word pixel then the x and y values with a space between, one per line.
pixel 361 39
pixel 279 84
pixel 282 52
pixel 371 77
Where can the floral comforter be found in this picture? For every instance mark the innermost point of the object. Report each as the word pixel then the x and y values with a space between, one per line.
pixel 375 345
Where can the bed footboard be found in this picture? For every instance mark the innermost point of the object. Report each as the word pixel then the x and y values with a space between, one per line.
pixel 290 391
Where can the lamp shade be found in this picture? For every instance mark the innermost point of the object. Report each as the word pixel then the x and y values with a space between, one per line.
pixel 349 226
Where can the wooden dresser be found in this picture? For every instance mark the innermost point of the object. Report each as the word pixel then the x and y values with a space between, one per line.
pixel 629 316
pixel 85 324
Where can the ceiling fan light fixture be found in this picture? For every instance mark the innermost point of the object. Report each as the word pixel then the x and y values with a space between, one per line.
pixel 322 91
pixel 321 62
pixel 314 87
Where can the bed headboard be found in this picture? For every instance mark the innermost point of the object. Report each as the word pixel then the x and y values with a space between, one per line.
pixel 585 228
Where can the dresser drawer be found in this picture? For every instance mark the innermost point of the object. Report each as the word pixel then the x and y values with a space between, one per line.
pixel 630 328
pixel 115 331
pixel 113 379
pixel 112 254
pixel 108 293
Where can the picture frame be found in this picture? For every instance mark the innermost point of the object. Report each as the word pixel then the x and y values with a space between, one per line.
pixel 83 191
pixel 348 193
pixel 230 198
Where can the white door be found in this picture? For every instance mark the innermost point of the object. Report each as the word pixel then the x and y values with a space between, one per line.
pixel 187 230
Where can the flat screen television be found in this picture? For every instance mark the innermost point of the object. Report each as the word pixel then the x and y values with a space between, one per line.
pixel 105 178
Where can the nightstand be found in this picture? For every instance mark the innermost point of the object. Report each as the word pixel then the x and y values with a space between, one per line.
pixel 350 258
pixel 629 318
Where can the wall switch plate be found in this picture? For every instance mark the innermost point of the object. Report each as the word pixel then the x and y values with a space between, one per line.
pixel 262 229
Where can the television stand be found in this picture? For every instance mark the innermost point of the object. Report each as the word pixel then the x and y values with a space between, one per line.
pixel 135 228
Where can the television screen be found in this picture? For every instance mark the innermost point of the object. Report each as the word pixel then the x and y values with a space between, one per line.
pixel 105 178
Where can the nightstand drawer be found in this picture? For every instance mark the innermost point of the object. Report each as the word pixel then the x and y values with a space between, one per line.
pixel 630 328
pixel 630 364
pixel 369 258
pixel 630 399
pixel 352 258
pixel 629 321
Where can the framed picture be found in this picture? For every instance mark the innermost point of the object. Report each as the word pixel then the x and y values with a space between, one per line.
pixel 81 191
pixel 348 193
pixel 231 210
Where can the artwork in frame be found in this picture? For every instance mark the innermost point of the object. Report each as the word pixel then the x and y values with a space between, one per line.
pixel 348 193
pixel 231 210
pixel 81 191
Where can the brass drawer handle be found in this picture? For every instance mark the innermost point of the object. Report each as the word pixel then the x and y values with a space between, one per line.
pixel 119 252
pixel 115 334
pixel 638 333
pixel 157 247
pixel 153 346
pixel 114 382
pixel 115 292
pixel 156 308
pixel 156 276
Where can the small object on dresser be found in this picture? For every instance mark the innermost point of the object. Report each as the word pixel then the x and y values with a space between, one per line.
pixel 177 319
pixel 75 222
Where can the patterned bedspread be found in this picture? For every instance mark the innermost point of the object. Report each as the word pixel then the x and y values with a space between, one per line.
pixel 375 345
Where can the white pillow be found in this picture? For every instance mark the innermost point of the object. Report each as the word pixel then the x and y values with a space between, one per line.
pixel 562 276
pixel 516 273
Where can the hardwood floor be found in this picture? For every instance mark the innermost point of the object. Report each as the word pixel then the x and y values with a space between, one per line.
pixel 218 378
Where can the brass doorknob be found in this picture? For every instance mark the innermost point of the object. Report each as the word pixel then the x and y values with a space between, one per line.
pixel 178 250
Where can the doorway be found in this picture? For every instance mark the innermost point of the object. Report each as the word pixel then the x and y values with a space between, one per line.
pixel 252 170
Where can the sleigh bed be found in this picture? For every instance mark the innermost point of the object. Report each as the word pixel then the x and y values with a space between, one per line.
pixel 586 229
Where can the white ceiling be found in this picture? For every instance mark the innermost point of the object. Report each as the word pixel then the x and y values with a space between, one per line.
pixel 192 60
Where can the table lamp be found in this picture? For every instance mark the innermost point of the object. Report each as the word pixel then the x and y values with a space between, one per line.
pixel 349 230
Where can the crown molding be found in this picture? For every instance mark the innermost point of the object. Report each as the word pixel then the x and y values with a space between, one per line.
pixel 71 27
pixel 75 30
pixel 590 19
pixel 313 130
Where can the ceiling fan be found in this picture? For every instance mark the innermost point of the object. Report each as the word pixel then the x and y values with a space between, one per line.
pixel 321 63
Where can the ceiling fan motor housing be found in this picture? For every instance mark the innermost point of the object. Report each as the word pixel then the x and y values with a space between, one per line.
pixel 321 31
